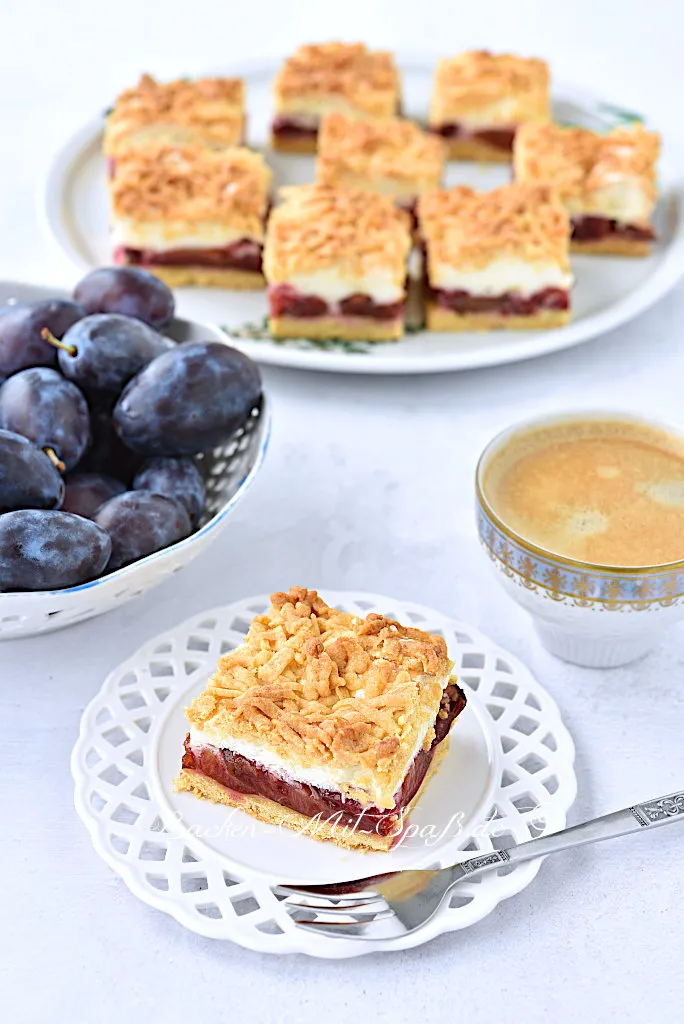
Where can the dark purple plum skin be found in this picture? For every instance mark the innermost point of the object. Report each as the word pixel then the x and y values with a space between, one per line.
pixel 27 477
pixel 106 453
pixel 139 523
pixel 108 350
pixel 188 400
pixel 47 409
pixel 177 478
pixel 127 290
pixel 49 550
pixel 21 344
pixel 85 492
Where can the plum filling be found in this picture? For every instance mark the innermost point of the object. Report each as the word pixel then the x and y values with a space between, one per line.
pixel 242 776
pixel 590 228
pixel 245 254
pixel 284 300
pixel 508 304
pixel 499 138
pixel 293 128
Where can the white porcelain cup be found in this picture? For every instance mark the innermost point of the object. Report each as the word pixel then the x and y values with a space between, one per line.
pixel 592 615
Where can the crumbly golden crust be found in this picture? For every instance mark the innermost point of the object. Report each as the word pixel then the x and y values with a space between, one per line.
pixel 317 227
pixel 466 228
pixel 272 813
pixel 207 277
pixel 378 148
pixel 612 245
pixel 581 164
pixel 477 149
pixel 190 184
pixel 331 327
pixel 501 88
pixel 443 321
pixel 367 79
pixel 207 110
pixel 322 688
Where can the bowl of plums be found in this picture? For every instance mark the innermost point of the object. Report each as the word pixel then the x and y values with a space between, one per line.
pixel 127 436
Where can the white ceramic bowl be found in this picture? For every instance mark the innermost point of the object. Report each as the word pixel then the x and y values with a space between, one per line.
pixel 598 616
pixel 228 471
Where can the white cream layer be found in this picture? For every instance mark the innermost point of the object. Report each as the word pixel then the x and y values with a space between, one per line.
pixel 623 199
pixel 501 276
pixel 333 779
pixel 333 286
pixel 502 113
pixel 174 235
pixel 307 111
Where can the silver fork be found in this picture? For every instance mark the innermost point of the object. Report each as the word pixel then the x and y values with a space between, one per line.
pixel 353 909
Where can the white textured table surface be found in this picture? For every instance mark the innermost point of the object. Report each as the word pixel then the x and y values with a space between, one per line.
pixel 367 485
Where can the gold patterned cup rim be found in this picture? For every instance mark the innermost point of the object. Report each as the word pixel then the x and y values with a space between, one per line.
pixel 523 426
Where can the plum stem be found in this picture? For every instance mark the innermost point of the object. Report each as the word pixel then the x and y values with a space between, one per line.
pixel 54 459
pixel 47 335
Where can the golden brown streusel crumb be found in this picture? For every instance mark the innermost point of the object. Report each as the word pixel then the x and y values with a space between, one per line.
pixel 579 161
pixel 466 228
pixel 368 79
pixel 317 226
pixel 323 687
pixel 192 183
pixel 210 110
pixel 479 80
pixel 377 148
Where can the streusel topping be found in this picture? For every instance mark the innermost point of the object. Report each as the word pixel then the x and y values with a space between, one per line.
pixel 466 228
pixel 479 79
pixel 318 226
pixel 322 687
pixel 367 78
pixel 382 147
pixel 192 183
pixel 578 161
pixel 212 108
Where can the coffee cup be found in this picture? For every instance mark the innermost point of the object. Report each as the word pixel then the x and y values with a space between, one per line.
pixel 582 538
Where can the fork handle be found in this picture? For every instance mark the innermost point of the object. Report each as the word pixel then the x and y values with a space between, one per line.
pixel 643 816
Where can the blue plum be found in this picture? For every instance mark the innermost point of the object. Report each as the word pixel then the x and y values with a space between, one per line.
pixel 85 492
pixel 177 478
pixel 21 342
pixel 127 290
pixel 27 477
pixel 138 523
pixel 188 400
pixel 48 550
pixel 103 351
pixel 50 411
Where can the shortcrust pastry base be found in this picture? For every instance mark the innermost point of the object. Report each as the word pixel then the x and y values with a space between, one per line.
pixel 207 277
pixel 445 320
pixel 477 149
pixel 294 144
pixel 612 246
pixel 331 327
pixel 272 813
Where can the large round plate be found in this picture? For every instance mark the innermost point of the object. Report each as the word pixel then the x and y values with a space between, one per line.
pixel 608 292
pixel 508 776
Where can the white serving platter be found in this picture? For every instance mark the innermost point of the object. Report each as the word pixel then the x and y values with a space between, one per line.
pixel 608 292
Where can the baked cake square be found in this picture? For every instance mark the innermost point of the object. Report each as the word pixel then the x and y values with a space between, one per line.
pixel 210 111
pixel 479 99
pixel 323 722
pixel 335 262
pixel 323 77
pixel 191 215
pixel 607 182
pixel 387 155
pixel 496 259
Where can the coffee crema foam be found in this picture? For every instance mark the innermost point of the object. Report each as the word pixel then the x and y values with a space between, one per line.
pixel 606 491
